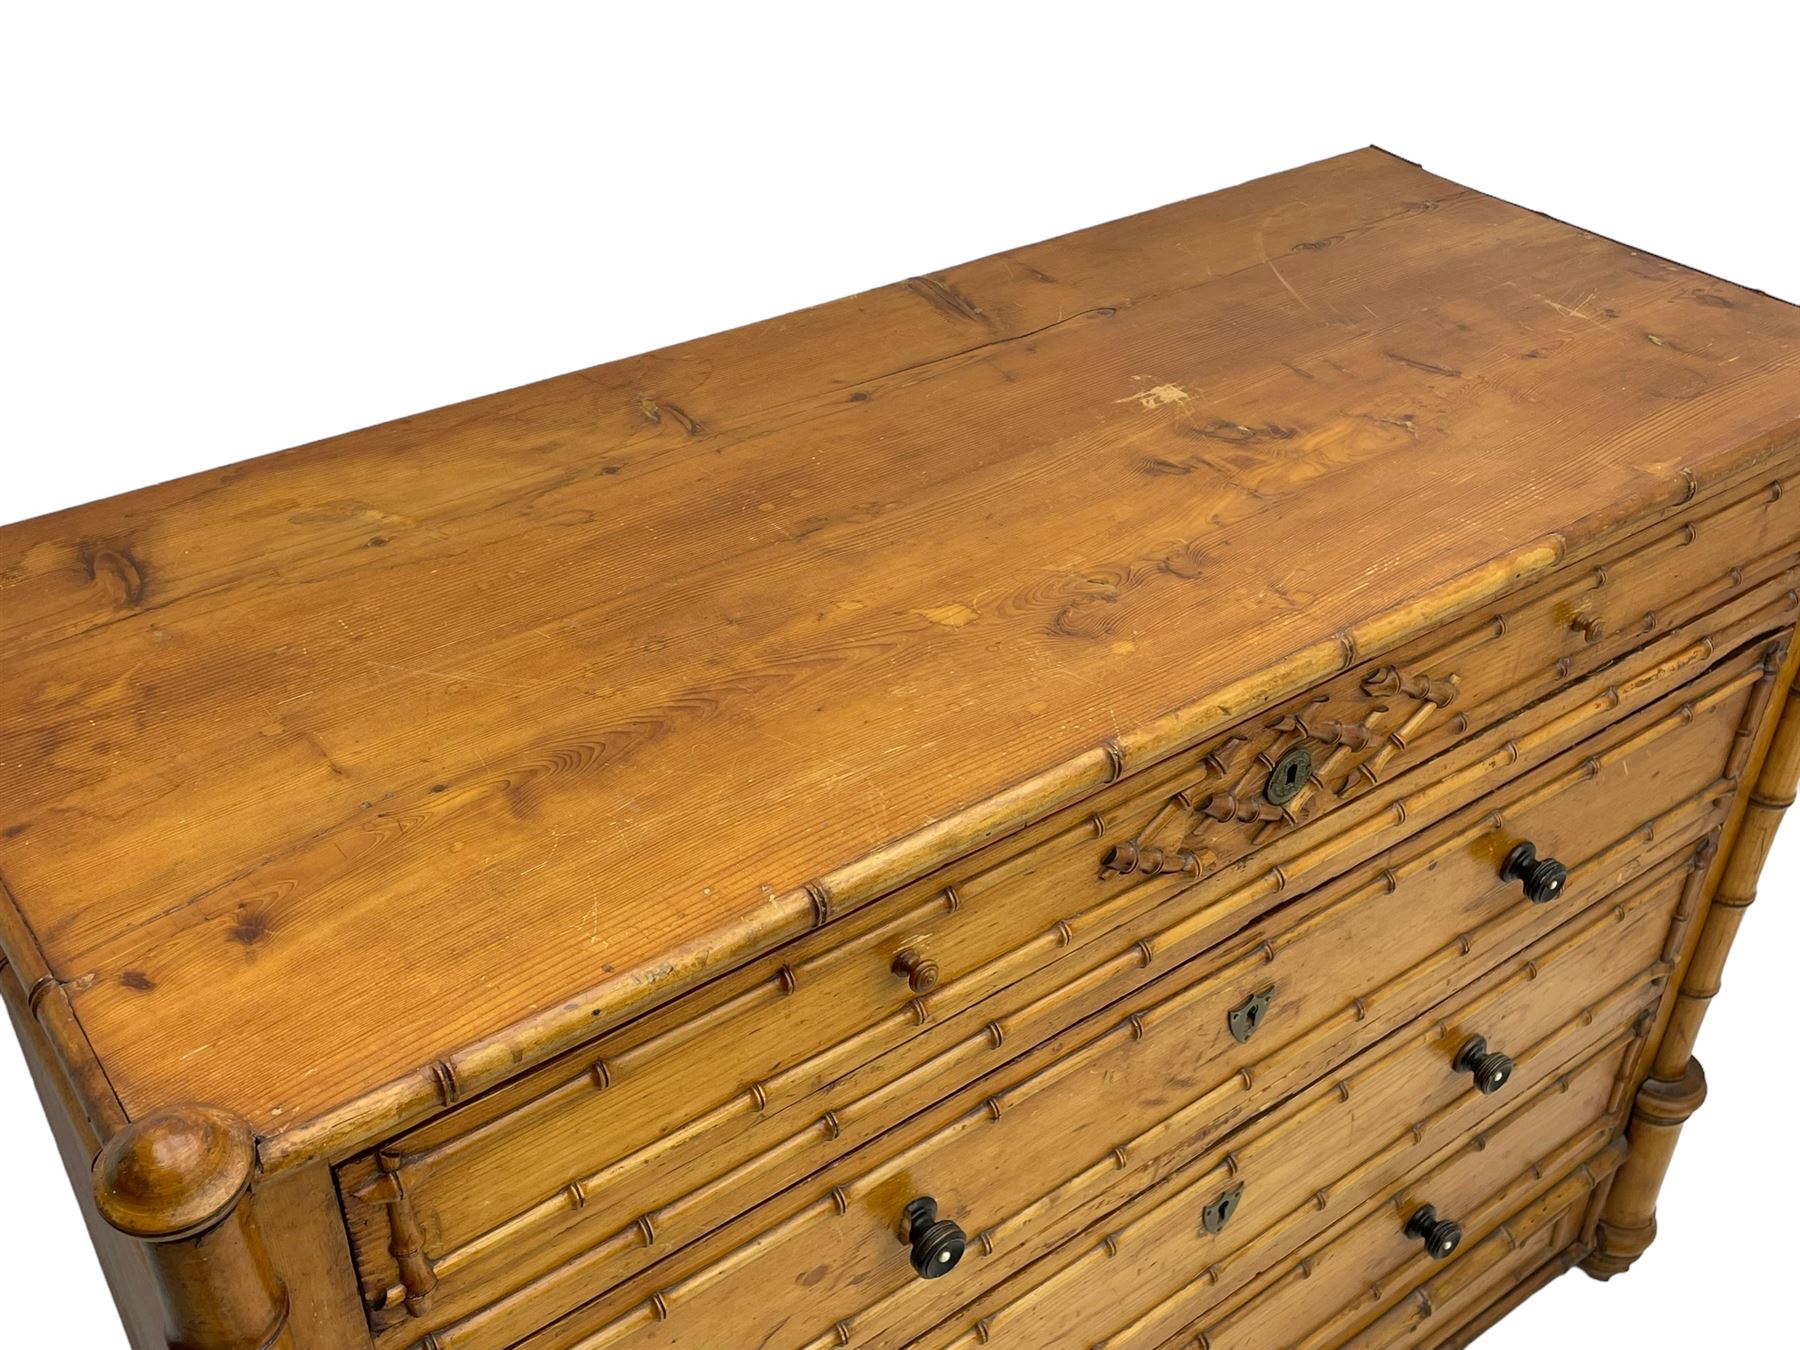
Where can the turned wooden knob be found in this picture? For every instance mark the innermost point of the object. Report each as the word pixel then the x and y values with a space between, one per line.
pixel 1590 628
pixel 919 972
pixel 1542 878
pixel 937 1244
pixel 1491 1069
pixel 1440 1236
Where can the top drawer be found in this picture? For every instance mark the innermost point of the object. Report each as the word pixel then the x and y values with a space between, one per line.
pixel 718 1078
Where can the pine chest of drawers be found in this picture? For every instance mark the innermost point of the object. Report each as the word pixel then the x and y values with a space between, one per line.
pixel 1185 785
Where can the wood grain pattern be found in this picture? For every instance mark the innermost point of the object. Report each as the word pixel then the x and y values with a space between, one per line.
pixel 675 1302
pixel 660 654
pixel 505 1195
pixel 509 1186
pixel 700 1068
pixel 1488 1271
pixel 1080 1277
pixel 1351 1274
pixel 563 870
pixel 1560 999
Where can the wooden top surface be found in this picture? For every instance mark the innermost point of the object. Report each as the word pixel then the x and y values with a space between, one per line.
pixel 325 770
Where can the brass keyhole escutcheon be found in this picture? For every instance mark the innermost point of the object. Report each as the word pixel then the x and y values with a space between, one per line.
pixel 1216 1215
pixel 1247 1018
pixel 1292 772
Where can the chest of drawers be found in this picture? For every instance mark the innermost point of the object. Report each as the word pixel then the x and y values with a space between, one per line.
pixel 1188 784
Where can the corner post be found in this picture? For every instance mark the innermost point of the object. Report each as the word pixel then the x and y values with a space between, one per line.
pixel 1628 1224
pixel 179 1182
pixel 1676 1085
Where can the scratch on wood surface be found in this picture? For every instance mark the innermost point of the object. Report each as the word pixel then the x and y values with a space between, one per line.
pixel 1160 396
pixel 1578 311
pixel 466 677
pixel 1286 285
pixel 842 771
pixel 1429 367
pixel 1010 340
pixel 1404 422
pixel 946 298
pixel 954 615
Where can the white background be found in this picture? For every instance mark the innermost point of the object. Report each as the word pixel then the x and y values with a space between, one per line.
pixel 232 229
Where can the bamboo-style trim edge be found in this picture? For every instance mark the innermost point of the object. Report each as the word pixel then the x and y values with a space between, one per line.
pixel 47 1000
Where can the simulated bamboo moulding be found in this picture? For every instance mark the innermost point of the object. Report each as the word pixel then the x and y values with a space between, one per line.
pixel 1186 785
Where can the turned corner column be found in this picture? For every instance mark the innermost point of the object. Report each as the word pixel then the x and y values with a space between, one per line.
pixel 1676 1085
pixel 1628 1224
pixel 178 1181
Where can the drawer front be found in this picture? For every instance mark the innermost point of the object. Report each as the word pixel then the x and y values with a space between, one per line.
pixel 1434 1312
pixel 1155 1271
pixel 836 1273
pixel 1540 1243
pixel 1444 1306
pixel 1125 1097
pixel 1334 1287
pixel 740 1084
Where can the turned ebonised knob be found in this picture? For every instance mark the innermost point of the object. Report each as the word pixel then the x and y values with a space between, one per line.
pixel 1441 1236
pixel 1491 1068
pixel 1543 878
pixel 920 973
pixel 937 1244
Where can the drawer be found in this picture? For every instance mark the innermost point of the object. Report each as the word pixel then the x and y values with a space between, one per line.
pixel 1354 1274
pixel 1315 1163
pixel 835 1273
pixel 1440 1305
pixel 680 1121
pixel 1100 1112
pixel 1491 1269
pixel 1539 1245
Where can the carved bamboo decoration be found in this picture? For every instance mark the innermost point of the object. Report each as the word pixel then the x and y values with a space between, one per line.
pixel 417 1278
pixel 1676 1086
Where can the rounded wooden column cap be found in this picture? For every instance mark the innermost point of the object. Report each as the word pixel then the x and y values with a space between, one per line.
pixel 175 1173
pixel 1669 1102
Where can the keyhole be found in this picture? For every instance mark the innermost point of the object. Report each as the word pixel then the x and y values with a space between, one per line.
pixel 1289 776
pixel 1253 1016
pixel 1216 1215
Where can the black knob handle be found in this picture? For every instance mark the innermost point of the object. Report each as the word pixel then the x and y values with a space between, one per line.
pixel 1492 1069
pixel 1441 1236
pixel 937 1244
pixel 1543 877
